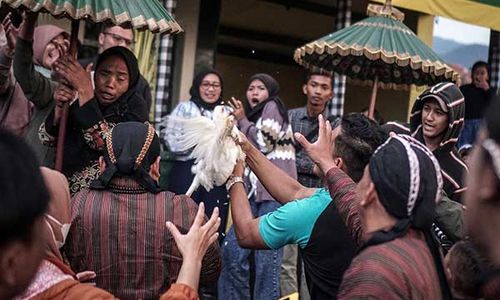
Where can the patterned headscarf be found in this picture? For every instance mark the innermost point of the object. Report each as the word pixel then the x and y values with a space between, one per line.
pixel 408 181
pixel 407 195
pixel 131 147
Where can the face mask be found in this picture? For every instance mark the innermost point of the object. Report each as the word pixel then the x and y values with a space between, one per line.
pixel 64 230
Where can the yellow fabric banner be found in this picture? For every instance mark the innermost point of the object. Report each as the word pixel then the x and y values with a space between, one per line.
pixel 467 11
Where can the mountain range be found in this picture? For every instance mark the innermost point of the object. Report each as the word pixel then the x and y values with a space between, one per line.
pixel 456 53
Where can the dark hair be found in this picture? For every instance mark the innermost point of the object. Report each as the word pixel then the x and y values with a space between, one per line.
pixel 376 115
pixel 319 73
pixel 24 195
pixel 478 64
pixel 468 268
pixel 359 139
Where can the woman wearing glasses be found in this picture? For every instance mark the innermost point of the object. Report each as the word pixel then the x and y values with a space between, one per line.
pixel 206 94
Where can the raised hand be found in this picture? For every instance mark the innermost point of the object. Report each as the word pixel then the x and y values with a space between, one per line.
pixel 237 105
pixel 63 94
pixel 11 33
pixel 320 151
pixel 194 244
pixel 27 27
pixel 71 72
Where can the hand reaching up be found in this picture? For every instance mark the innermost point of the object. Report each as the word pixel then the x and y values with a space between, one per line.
pixel 11 33
pixel 71 72
pixel 238 109
pixel 194 244
pixel 320 151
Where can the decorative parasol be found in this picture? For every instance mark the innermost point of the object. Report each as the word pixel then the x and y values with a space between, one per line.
pixel 140 14
pixel 380 51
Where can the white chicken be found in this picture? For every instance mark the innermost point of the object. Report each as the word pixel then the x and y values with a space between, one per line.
pixel 215 150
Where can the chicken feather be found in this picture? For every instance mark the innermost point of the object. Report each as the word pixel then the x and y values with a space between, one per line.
pixel 214 147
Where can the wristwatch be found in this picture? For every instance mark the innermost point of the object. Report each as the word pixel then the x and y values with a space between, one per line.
pixel 232 180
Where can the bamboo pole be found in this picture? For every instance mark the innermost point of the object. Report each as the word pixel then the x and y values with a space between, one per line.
pixel 75 26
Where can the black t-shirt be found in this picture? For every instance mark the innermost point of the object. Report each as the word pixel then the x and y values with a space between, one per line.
pixel 476 100
pixel 324 242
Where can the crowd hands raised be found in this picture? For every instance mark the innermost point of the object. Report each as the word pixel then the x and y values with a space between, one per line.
pixel 375 210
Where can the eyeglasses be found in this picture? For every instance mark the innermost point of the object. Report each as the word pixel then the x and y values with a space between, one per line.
pixel 120 39
pixel 206 85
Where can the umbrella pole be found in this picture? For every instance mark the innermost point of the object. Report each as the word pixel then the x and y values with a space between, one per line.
pixel 371 110
pixel 75 26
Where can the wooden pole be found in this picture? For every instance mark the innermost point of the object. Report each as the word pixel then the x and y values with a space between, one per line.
pixel 371 110
pixel 75 26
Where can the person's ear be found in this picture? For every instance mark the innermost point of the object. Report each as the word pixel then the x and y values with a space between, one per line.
pixel 339 162
pixel 304 89
pixel 370 196
pixel 102 164
pixel 100 39
pixel 154 169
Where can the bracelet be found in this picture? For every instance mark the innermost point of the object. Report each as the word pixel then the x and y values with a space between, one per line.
pixel 232 180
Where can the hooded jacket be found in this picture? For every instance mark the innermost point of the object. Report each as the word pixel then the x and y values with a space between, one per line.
pixel 451 100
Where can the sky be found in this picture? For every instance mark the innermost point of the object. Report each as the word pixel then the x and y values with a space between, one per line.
pixel 469 34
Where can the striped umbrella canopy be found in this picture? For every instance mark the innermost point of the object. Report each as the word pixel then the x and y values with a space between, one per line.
pixel 379 46
pixel 140 14
pixel 380 51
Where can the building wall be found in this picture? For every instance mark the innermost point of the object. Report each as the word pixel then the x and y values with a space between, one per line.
pixel 236 71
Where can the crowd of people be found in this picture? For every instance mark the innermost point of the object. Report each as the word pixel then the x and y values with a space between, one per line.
pixel 323 206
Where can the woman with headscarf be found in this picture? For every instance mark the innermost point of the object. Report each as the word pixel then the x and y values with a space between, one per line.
pixel 92 111
pixel 206 94
pixel 56 280
pixel 36 49
pixel 265 123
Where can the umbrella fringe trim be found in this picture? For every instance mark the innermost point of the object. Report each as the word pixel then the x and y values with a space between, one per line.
pixel 138 22
pixel 416 63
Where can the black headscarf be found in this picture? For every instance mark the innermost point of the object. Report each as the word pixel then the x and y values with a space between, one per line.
pixel 116 110
pixel 409 188
pixel 273 88
pixel 126 142
pixel 194 91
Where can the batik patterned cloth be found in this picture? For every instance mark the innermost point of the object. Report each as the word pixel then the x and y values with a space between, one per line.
pixel 120 234
pixel 400 269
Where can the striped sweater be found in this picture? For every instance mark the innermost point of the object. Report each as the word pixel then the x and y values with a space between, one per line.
pixel 400 269
pixel 120 234
pixel 273 137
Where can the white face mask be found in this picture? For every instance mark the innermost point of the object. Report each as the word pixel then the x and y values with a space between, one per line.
pixel 64 230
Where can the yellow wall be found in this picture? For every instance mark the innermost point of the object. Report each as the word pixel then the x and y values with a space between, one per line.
pixel 391 104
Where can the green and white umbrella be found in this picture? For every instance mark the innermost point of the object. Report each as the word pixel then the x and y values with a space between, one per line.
pixel 380 51
pixel 140 14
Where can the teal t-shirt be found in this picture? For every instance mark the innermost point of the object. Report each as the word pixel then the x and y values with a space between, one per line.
pixel 293 222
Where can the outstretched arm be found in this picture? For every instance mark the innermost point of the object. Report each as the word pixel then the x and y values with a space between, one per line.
pixel 36 87
pixel 280 185
pixel 341 187
pixel 193 246
pixel 245 225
